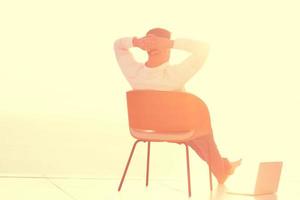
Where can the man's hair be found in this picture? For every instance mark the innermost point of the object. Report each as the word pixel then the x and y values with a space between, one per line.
pixel 160 32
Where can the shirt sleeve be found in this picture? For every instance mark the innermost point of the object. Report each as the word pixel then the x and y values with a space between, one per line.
pixel 126 61
pixel 183 71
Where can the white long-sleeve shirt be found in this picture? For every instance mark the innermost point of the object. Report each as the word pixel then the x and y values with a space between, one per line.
pixel 165 77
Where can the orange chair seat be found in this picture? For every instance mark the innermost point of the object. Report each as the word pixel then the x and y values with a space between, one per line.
pixel 151 135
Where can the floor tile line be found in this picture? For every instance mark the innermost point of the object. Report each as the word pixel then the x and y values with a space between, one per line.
pixel 61 189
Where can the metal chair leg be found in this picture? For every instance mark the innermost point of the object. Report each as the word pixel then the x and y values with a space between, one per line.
pixel 148 162
pixel 210 175
pixel 188 169
pixel 127 165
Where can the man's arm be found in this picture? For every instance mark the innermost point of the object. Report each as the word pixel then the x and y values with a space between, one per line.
pixel 127 63
pixel 187 68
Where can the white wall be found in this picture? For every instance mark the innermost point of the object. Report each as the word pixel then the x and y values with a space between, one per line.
pixel 62 95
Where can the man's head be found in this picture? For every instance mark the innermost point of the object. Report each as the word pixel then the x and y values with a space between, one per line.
pixel 158 54
pixel 160 32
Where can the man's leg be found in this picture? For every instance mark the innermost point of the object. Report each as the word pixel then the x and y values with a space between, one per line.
pixel 206 145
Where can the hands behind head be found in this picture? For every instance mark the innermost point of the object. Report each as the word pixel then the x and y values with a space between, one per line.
pixel 152 42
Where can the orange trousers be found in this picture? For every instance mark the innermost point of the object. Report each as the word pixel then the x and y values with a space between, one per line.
pixel 206 145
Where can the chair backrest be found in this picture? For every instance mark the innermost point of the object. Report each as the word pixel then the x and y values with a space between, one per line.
pixel 166 111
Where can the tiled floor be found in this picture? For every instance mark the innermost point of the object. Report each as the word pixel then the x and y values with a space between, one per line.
pixel 106 189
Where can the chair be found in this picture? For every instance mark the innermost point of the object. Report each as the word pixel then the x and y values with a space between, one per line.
pixel 165 116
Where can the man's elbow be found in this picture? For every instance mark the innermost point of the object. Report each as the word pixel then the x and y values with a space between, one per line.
pixel 201 54
pixel 123 43
pixel 201 51
pixel 117 44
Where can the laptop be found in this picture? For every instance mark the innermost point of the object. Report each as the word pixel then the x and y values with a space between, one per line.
pixel 266 182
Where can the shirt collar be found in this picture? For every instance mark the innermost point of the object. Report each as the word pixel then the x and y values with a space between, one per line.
pixel 159 67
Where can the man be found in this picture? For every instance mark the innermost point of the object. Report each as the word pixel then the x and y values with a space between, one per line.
pixel 158 74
